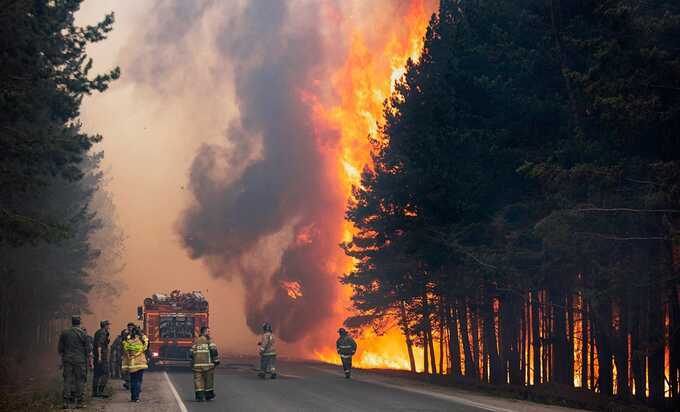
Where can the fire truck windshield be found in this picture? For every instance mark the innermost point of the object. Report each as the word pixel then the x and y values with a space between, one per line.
pixel 176 327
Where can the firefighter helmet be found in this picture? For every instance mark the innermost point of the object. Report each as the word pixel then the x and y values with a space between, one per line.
pixel 267 327
pixel 342 331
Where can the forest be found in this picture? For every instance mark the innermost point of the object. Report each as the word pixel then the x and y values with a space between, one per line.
pixel 521 219
pixel 58 238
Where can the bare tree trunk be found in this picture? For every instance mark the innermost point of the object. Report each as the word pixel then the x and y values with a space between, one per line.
pixel 536 338
pixel 585 343
pixel 426 359
pixel 441 336
pixel 407 334
pixel 454 343
pixel 470 369
pixel 474 313
pixel 563 361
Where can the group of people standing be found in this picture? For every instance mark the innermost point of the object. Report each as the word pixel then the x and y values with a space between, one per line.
pixel 125 359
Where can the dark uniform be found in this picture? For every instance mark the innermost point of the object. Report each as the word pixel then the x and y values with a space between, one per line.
pixel 101 361
pixel 115 360
pixel 346 347
pixel 75 351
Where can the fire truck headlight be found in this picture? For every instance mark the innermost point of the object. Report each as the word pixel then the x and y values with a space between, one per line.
pixel 155 354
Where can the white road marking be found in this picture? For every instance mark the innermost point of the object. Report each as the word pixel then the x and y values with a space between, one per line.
pixel 443 396
pixel 181 405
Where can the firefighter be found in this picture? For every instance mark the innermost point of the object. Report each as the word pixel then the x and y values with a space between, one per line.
pixel 101 360
pixel 124 335
pixel 204 359
pixel 346 347
pixel 134 360
pixel 267 352
pixel 76 356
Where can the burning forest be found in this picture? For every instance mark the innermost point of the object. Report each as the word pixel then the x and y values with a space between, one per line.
pixel 482 193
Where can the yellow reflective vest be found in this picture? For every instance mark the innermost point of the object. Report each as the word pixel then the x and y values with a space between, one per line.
pixel 202 351
pixel 134 356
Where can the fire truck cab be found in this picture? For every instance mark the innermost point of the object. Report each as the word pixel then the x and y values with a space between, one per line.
pixel 171 322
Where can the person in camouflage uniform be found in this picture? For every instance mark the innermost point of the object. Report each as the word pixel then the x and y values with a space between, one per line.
pixel 116 357
pixel 76 355
pixel 101 360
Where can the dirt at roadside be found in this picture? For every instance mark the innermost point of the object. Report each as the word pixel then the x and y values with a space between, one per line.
pixel 156 396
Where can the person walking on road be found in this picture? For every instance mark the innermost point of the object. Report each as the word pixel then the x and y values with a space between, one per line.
pixel 267 353
pixel 100 375
pixel 76 356
pixel 134 360
pixel 346 347
pixel 204 360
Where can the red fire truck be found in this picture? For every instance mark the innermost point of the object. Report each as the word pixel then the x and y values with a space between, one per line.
pixel 171 321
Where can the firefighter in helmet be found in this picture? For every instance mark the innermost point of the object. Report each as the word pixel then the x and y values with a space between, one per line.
pixel 267 352
pixel 346 347
pixel 204 359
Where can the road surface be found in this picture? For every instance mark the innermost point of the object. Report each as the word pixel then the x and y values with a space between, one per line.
pixel 318 387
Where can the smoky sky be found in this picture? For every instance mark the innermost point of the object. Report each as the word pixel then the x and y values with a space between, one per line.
pixel 274 177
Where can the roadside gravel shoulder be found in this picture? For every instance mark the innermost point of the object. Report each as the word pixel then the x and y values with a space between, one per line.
pixel 156 397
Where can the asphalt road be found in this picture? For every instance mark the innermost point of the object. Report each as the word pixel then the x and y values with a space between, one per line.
pixel 311 387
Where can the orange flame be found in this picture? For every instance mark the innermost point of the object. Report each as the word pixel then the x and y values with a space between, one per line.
pixel 362 83
pixel 293 289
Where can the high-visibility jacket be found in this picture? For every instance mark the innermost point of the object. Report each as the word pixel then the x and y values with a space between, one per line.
pixel 134 356
pixel 204 354
pixel 267 344
pixel 346 346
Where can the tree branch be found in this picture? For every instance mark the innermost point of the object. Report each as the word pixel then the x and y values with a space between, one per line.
pixel 620 238
pixel 626 210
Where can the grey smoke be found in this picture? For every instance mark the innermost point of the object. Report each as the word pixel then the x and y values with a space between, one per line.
pixel 273 58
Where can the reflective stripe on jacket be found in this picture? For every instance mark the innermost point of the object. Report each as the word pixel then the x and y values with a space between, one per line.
pixel 203 354
pixel 346 346
pixel 267 347
pixel 134 356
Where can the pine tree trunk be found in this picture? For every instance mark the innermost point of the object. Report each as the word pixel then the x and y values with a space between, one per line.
pixel 602 332
pixel 536 338
pixel 426 359
pixel 656 347
pixel 474 313
pixel 454 343
pixel 441 338
pixel 470 369
pixel 407 334
pixel 563 362
pixel 585 339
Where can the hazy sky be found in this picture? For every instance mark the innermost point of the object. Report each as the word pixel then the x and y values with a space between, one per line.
pixel 149 143
pixel 216 150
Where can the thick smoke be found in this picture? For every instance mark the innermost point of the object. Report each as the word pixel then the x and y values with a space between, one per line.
pixel 273 178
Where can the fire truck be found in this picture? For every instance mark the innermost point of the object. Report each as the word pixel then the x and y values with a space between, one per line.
pixel 171 321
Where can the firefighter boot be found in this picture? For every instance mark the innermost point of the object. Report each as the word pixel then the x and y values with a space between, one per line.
pixel 209 395
pixel 348 374
pixel 200 396
pixel 273 375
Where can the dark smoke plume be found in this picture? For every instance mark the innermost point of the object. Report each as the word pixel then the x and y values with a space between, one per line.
pixel 282 184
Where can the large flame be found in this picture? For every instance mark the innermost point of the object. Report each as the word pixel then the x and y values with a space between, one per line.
pixel 362 83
